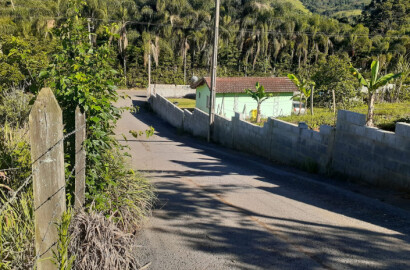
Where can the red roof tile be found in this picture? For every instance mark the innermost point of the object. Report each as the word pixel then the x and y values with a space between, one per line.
pixel 239 84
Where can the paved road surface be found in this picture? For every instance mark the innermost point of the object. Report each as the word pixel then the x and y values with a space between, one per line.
pixel 220 209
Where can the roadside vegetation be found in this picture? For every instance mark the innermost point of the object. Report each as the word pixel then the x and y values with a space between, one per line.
pixel 118 199
pixel 386 115
pixel 51 43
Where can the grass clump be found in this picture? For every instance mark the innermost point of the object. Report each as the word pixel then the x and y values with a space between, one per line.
pixel 98 244
pixel 17 233
pixel 184 103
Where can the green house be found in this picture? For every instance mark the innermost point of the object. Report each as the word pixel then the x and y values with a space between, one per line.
pixel 231 96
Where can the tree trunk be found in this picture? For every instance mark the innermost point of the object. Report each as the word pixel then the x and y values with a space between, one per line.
pixel 370 112
pixel 125 69
pixel 311 100
pixel 299 60
pixel 185 54
pixel 334 101
pixel 398 90
pixel 258 113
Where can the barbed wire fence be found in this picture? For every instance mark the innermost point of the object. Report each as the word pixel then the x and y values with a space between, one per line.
pixel 48 174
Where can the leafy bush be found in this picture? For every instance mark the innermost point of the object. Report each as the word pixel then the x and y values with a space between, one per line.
pixel 81 74
pixel 128 198
pixel 21 60
pixel 14 107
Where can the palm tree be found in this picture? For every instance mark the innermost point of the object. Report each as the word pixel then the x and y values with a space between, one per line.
pixel 305 90
pixel 373 84
pixel 259 96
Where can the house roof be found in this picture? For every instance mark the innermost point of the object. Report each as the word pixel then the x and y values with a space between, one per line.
pixel 239 84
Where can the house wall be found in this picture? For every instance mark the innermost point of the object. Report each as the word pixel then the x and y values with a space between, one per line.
pixel 351 149
pixel 227 105
pixel 202 93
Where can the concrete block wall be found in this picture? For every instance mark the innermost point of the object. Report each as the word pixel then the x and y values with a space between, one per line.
pixel 351 149
pixel 172 90
pixel 195 123
pixel 376 156
pixel 250 138
pixel 167 111
pixel 223 131
pixel 199 123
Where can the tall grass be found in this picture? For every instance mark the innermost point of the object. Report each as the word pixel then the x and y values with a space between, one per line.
pixel 17 233
pixel 129 198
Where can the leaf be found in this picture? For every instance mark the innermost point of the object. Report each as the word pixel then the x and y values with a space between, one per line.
pixel 385 79
pixel 43 74
pixel 95 119
pixel 294 79
pixel 359 76
pixel 375 71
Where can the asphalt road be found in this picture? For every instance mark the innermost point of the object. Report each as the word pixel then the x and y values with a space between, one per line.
pixel 221 209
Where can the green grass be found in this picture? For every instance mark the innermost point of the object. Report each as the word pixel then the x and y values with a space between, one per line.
pixel 297 4
pixel 184 103
pixel 386 116
pixel 347 13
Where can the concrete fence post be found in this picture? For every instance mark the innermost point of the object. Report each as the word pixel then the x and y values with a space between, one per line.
pixel 80 153
pixel 47 154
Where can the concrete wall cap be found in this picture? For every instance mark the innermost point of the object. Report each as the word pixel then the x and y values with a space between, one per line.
pixel 351 117
pixel 403 129
pixel 303 125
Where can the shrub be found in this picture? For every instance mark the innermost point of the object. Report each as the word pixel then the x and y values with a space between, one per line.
pixel 14 107
pixel 128 198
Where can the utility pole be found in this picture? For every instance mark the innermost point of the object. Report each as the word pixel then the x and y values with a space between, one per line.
pixel 149 73
pixel 213 75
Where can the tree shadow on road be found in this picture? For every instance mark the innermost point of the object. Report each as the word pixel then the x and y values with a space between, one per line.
pixel 276 243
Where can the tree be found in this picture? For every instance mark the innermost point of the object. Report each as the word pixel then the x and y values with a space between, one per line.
pixel 403 66
pixel 259 96
pixel 372 85
pixel 334 82
pixel 82 75
pixel 305 90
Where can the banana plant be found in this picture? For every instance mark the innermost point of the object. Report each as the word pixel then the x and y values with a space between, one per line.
pixel 259 96
pixel 305 90
pixel 373 84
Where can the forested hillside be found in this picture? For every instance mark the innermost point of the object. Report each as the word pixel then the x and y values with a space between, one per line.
pixel 264 38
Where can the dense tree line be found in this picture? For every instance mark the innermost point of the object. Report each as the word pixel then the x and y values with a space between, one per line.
pixel 257 38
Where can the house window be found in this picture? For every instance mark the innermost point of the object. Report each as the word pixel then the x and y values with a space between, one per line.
pixel 207 102
pixel 199 95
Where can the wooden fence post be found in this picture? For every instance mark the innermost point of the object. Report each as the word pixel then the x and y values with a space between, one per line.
pixel 47 155
pixel 79 158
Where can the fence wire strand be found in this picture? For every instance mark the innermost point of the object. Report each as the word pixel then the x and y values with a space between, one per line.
pixel 29 178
